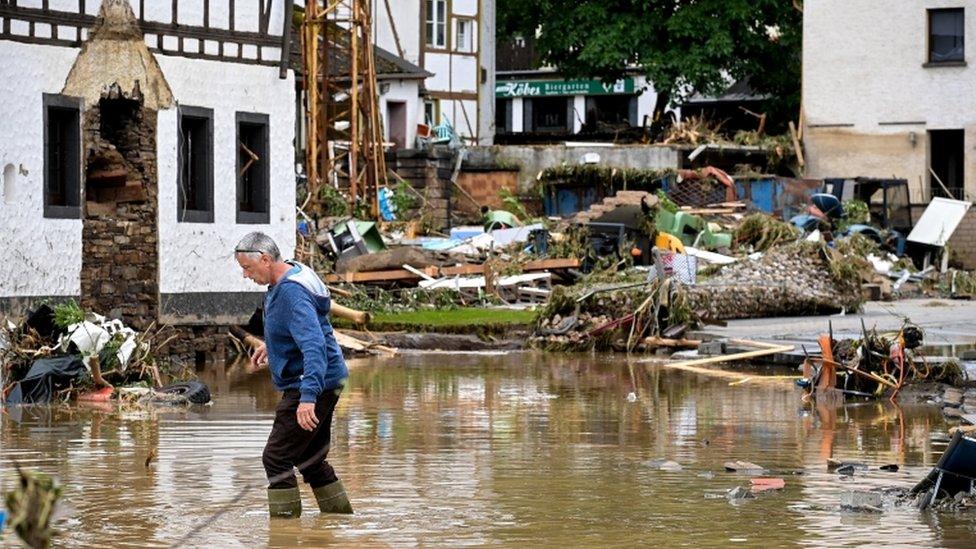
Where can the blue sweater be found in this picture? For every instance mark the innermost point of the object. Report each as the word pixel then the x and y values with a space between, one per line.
pixel 303 353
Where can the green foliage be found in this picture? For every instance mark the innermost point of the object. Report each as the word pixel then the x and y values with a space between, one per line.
pixel 855 212
pixel 665 202
pixel 30 504
pixel 404 199
pixel 68 313
pixel 763 231
pixel 454 319
pixel 782 155
pixel 513 205
pixel 682 45
pixel 332 202
pixel 573 244
pixel 858 245
pixel 606 177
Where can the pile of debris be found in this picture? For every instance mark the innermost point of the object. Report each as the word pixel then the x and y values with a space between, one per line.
pixel 63 353
pixel 791 280
pixel 630 317
pixel 874 365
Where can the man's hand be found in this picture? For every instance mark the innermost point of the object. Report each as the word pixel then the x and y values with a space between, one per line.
pixel 260 356
pixel 306 416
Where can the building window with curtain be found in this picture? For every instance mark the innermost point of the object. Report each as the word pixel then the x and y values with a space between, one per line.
pixel 437 23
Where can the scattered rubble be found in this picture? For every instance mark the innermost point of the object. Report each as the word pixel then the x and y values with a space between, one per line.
pixel 63 353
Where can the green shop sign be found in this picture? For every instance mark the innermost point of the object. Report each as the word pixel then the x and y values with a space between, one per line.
pixel 548 88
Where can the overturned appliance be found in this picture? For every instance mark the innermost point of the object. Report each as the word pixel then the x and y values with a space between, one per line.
pixel 954 473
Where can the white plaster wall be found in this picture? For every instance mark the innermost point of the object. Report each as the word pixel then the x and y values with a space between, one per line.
pixel 579 112
pixel 190 12
pixel 440 65
pixel 454 112
pixel 862 64
pixel 466 8
pixel 518 115
pixel 406 18
pixel 464 73
pixel 198 257
pixel 451 73
pixel 406 91
pixel 863 70
pixel 38 256
pixel 486 58
pixel 646 100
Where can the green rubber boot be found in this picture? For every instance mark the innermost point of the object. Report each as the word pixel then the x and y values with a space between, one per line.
pixel 332 498
pixel 285 502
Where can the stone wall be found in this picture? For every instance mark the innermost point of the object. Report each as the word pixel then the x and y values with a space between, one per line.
pixel 120 260
pixel 962 244
pixel 429 173
pixel 532 159
pixel 194 345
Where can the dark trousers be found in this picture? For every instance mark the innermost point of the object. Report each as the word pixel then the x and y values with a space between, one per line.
pixel 289 446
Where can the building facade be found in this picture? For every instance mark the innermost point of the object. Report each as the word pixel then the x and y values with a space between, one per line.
pixel 454 41
pixel 887 92
pixel 141 143
pixel 535 100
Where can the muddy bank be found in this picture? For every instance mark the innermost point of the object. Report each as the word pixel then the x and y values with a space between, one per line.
pixel 431 341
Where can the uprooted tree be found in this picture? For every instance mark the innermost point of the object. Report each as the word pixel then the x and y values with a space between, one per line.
pixel 681 45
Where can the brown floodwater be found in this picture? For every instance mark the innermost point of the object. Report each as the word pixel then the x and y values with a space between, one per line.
pixel 518 449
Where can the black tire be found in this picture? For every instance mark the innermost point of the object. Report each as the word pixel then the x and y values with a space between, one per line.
pixel 193 391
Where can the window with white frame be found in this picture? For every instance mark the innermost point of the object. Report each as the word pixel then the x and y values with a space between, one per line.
pixel 437 23
pixel 464 41
pixel 432 112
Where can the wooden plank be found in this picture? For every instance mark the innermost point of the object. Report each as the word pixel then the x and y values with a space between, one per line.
pixel 666 342
pixel 734 377
pixel 733 357
pixel 375 276
pixel 709 211
pixel 463 270
pixel 796 145
pixel 286 40
pixel 545 264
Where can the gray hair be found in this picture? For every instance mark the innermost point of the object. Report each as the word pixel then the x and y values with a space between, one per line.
pixel 253 245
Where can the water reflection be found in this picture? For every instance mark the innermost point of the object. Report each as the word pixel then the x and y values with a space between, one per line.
pixel 520 449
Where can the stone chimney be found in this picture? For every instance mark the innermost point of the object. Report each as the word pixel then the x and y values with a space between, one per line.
pixel 115 53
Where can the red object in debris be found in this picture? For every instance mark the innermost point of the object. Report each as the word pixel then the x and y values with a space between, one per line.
pixel 712 171
pixel 100 395
pixel 760 484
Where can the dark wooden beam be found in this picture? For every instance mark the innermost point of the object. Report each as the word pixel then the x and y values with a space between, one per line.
pixel 33 16
pixel 286 28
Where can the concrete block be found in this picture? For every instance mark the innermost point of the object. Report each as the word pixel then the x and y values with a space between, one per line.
pixel 861 500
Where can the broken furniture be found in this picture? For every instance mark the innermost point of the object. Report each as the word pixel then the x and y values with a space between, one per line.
pixel 887 199
pixel 354 238
pixel 870 367
pixel 955 472
pixel 691 229
pixel 531 288
pixel 500 219
pixel 935 227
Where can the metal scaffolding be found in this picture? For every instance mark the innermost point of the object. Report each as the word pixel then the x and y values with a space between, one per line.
pixel 344 133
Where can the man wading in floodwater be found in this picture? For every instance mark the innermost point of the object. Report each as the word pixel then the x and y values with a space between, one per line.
pixel 307 366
